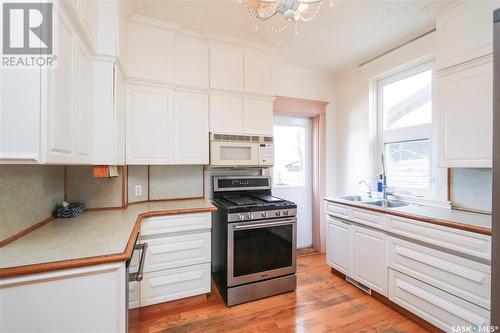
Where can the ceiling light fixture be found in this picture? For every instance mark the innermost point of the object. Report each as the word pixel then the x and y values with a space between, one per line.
pixel 294 11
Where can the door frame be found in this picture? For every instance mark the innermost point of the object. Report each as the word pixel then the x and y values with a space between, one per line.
pixel 316 111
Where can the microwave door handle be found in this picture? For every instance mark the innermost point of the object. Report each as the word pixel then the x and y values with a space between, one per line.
pixel 138 276
pixel 258 225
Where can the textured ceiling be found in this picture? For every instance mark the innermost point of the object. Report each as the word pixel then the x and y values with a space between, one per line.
pixel 340 35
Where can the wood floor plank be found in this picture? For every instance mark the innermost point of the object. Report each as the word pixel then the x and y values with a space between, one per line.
pixel 323 302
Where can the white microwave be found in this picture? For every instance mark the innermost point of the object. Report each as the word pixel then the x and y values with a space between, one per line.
pixel 233 150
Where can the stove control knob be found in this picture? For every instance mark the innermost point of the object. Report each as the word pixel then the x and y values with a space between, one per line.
pixel 250 216
pixel 241 217
pixel 286 212
pixel 278 213
pixel 264 214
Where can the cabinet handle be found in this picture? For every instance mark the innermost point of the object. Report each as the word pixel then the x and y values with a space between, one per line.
pixel 138 276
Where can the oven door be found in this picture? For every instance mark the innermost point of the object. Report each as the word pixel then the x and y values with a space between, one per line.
pixel 232 153
pixel 260 250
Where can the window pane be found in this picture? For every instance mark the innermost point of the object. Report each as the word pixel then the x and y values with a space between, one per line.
pixel 408 102
pixel 408 164
pixel 289 156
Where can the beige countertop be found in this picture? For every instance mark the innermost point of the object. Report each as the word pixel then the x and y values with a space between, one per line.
pixel 95 237
pixel 474 222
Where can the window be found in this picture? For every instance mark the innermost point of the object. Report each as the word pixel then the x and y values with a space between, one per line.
pixel 404 117
pixel 289 156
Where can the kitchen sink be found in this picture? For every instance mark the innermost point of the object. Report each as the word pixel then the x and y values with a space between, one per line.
pixel 388 203
pixel 358 198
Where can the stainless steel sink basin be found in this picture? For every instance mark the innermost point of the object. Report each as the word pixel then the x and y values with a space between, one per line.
pixel 358 198
pixel 388 203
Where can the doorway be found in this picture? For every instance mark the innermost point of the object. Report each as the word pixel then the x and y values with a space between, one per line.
pixel 292 171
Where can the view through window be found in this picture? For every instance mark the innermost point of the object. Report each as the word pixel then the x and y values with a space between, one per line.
pixel 289 156
pixel 405 126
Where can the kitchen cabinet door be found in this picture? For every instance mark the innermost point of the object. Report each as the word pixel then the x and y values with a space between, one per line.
pixel 338 245
pixel 226 68
pixel 369 261
pixel 226 114
pixel 150 125
pixel 258 74
pixel 257 116
pixel 150 54
pixel 191 62
pixel 464 32
pixel 84 125
pixel 20 115
pixel 464 114
pixel 191 128
pixel 59 96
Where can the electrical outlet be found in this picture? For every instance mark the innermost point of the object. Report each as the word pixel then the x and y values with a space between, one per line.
pixel 138 190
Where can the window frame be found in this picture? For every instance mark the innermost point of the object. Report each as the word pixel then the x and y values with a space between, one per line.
pixel 404 134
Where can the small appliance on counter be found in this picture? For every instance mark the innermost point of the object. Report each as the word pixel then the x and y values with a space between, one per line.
pixel 254 239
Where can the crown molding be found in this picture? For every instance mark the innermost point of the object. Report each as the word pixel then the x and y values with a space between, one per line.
pixel 154 23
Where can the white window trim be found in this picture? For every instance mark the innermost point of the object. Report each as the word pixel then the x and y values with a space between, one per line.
pixel 438 183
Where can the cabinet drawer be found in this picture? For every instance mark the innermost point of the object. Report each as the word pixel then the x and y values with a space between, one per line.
pixel 464 278
pixel 133 295
pixel 177 251
pixel 172 284
pixel 338 210
pixel 369 218
pixel 434 305
pixel 175 223
pixel 474 244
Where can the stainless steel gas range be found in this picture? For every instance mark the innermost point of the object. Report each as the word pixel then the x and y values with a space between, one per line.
pixel 253 240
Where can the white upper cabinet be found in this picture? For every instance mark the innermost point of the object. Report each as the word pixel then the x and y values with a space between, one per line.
pixel 464 112
pixel 84 126
pixel 257 115
pixel 226 113
pixel 150 54
pixel 464 32
pixel 110 101
pixel 59 96
pixel 258 74
pixel 191 62
pixel 150 125
pixel 191 128
pixel 226 68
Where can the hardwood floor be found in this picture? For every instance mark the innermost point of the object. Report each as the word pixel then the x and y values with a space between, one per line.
pixel 323 302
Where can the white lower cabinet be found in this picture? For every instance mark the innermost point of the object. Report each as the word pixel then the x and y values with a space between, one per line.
pixel 436 272
pixel 440 308
pixel 359 253
pixel 83 299
pixel 177 259
pixel 172 284
pixel 134 295
pixel 370 258
pixel 338 245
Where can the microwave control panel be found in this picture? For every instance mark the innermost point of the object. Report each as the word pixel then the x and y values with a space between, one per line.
pixel 266 151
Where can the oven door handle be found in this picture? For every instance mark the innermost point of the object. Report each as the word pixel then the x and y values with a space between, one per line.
pixel 258 225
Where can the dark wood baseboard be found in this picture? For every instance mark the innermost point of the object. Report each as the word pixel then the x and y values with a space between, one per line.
pixel 382 299
pixel 307 251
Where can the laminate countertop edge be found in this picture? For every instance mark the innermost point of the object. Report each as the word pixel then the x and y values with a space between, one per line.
pixel 417 217
pixel 98 260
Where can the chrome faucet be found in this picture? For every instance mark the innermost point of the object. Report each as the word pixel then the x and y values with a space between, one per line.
pixel 362 181
pixel 384 178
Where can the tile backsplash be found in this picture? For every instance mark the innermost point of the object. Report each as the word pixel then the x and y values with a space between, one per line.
pixel 471 188
pixel 28 195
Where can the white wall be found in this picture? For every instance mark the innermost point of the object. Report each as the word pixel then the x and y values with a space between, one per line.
pixel 350 120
